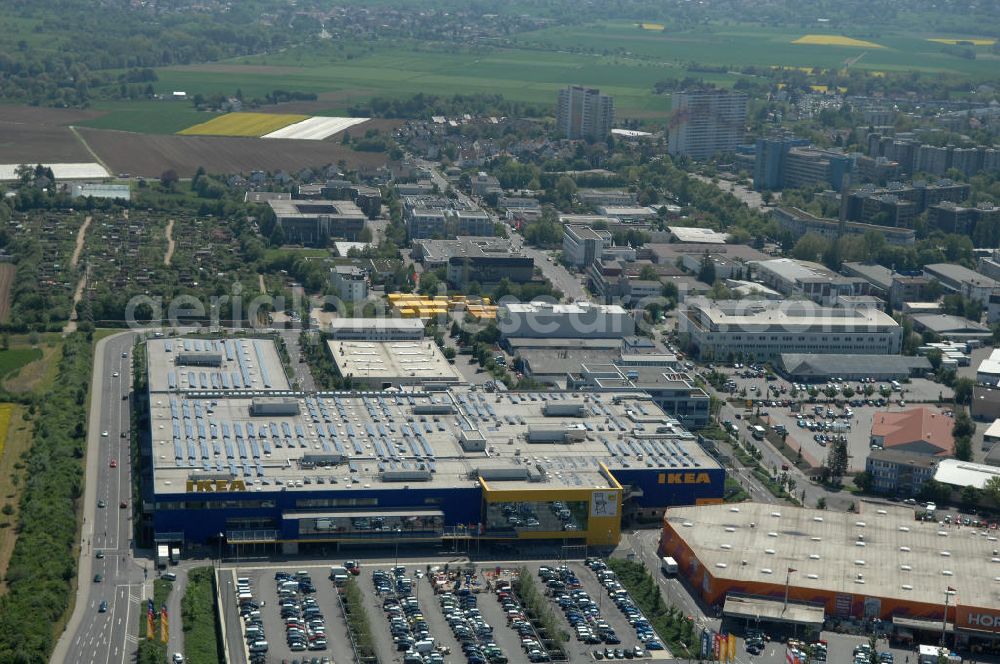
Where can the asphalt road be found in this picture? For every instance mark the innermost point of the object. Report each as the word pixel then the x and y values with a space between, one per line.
pixel 562 279
pixel 92 637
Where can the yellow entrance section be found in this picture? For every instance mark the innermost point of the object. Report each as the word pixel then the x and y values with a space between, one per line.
pixel 592 513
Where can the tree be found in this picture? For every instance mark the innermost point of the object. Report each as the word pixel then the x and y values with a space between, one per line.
pixel 810 247
pixel 963 448
pixel 963 390
pixel 837 461
pixel 706 274
pixel 992 488
pixel 821 503
pixel 830 392
pixel 169 178
pixel 648 273
pixel 864 481
pixel 970 496
pixel 963 427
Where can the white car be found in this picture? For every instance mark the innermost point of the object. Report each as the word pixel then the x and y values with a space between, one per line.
pixel 104 434
pixel 114 375
pixel 178 658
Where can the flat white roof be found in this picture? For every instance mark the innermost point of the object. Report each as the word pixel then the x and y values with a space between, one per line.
pixel 881 551
pixel 965 473
pixel 376 324
pixel 562 309
pixel 693 234
pixel 393 361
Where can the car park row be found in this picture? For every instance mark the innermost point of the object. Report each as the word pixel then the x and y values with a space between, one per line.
pixel 305 626
pixel 620 596
pixel 409 628
pixel 518 621
pixel 470 629
pixel 253 625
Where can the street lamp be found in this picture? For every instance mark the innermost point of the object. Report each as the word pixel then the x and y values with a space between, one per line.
pixel 398 532
pixel 220 549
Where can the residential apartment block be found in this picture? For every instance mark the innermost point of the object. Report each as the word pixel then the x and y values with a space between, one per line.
pixel 584 113
pixel 706 122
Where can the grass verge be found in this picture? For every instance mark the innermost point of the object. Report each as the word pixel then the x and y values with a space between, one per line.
pixel 201 622
pixel 358 623
pixel 153 651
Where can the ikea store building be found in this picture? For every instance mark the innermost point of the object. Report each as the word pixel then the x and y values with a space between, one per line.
pixel 234 457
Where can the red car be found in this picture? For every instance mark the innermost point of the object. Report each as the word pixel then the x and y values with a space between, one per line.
pixel 114 463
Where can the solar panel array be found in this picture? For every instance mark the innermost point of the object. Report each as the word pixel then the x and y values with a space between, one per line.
pixel 204 442
pixel 241 378
pixel 381 430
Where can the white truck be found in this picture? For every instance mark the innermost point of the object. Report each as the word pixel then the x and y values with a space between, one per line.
pixel 930 655
pixel 668 566
pixel 162 555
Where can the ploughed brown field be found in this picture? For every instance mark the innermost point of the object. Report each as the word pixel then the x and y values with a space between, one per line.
pixel 150 155
pixel 32 135
pixel 42 135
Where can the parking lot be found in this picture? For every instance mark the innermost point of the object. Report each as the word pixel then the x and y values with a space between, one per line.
pixel 264 589
pixel 433 610
pixel 823 420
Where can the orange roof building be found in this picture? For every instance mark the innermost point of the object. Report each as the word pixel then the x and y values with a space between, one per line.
pixel 919 431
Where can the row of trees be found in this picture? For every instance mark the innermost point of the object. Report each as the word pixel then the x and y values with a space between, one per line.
pixel 43 565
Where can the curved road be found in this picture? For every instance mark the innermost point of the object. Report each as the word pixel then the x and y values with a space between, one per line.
pixel 93 637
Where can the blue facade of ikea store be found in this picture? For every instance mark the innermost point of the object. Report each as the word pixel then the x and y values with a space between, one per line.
pixel 199 517
pixel 202 516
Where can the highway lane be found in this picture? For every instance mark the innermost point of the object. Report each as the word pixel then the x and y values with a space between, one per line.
pixel 93 637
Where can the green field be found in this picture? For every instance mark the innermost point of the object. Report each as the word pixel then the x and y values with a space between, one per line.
pixel 12 360
pixel 147 117
pixel 619 57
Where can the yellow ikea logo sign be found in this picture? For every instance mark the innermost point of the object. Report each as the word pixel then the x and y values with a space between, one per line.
pixel 215 486
pixel 684 478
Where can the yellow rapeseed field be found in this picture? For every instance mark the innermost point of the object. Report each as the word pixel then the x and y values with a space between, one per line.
pixel 243 124
pixel 651 26
pixel 835 40
pixel 974 42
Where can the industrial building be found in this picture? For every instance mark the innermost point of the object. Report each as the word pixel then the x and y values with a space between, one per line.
pixel 313 222
pixel 809 279
pixel 384 364
pixel 690 234
pixel 952 328
pixel 582 320
pixel 300 470
pixel 582 245
pixel 963 281
pixel 799 222
pixel 376 329
pixel 486 260
pixel 821 367
pixel 349 282
pixel 706 122
pixel 876 563
pixel 763 330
